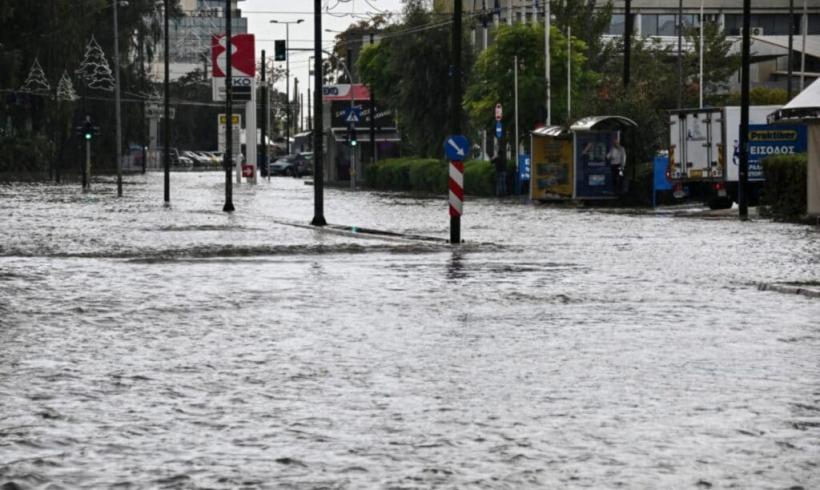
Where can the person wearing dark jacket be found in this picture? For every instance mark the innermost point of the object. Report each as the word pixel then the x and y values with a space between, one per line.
pixel 500 164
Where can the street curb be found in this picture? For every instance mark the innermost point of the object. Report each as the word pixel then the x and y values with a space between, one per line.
pixel 808 291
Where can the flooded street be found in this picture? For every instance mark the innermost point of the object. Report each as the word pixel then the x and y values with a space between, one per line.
pixel 151 347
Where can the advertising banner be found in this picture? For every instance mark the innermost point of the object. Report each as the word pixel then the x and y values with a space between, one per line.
pixel 243 56
pixel 767 140
pixel 595 177
pixel 551 168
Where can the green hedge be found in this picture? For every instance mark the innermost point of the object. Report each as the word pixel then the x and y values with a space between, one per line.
pixel 784 192
pixel 429 176
pixel 25 153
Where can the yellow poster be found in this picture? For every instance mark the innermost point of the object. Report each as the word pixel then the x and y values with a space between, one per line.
pixel 552 169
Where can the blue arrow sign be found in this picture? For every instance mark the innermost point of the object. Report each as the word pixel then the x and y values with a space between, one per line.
pixel 353 115
pixel 456 147
pixel 498 129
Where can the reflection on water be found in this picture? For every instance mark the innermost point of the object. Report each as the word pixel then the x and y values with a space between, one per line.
pixel 185 348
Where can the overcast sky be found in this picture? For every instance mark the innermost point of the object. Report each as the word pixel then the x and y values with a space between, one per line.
pixel 260 12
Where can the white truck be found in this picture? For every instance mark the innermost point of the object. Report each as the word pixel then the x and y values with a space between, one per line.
pixel 703 153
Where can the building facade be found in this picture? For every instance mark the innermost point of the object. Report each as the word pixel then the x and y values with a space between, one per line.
pixel 190 36
pixel 770 22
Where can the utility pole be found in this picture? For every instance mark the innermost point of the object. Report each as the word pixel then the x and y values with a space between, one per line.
pixel 627 40
pixel 569 75
pixel 700 64
pixel 166 128
pixel 455 102
pixel 744 113
pixel 287 78
pixel 372 118
pixel 680 54
pixel 228 157
pixel 805 28
pixel 264 118
pixel 318 124
pixel 547 57
pixel 295 102
pixel 117 108
pixel 791 48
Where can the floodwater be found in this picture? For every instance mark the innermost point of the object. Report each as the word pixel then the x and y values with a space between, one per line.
pixel 182 347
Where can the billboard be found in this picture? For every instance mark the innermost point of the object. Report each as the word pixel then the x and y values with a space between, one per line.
pixel 243 56
pixel 551 167
pixel 594 176
pixel 767 140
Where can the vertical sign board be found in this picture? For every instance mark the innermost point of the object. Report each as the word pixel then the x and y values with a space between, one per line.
pixel 236 122
pixel 243 83
pixel 767 140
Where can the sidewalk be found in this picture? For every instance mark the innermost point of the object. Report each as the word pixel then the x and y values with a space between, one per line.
pixel 809 289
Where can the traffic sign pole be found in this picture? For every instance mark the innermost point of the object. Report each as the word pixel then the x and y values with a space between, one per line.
pixel 455 110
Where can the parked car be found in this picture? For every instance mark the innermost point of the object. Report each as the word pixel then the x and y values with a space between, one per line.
pixel 175 159
pixel 210 158
pixel 199 160
pixel 296 165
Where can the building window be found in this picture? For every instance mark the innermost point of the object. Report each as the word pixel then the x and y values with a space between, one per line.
pixel 616 25
pixel 649 25
pixel 666 26
pixel 771 24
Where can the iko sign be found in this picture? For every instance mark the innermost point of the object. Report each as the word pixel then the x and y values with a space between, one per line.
pixel 242 88
pixel 243 56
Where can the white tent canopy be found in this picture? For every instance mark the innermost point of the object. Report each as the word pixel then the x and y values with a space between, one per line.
pixel 806 105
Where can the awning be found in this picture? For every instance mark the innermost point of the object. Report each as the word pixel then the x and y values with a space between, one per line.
pixel 806 105
pixel 603 122
pixel 363 135
pixel 554 131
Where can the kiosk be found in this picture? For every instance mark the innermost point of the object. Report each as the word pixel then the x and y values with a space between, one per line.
pixel 805 107
pixel 586 161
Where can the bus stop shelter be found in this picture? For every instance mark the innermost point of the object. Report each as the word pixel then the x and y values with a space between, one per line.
pixel 586 161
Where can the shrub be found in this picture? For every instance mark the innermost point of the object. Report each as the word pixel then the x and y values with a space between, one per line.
pixel 784 192
pixel 421 175
pixel 429 176
pixel 30 153
pixel 479 178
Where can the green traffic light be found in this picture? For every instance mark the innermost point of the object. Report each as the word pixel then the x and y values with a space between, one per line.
pixel 353 143
pixel 88 136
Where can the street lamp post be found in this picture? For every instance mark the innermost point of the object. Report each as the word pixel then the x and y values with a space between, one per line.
pixel 166 127
pixel 287 76
pixel 117 108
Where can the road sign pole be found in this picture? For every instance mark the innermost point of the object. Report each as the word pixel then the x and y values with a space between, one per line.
pixel 166 127
pixel 87 166
pixel 228 157
pixel 455 110
pixel 318 125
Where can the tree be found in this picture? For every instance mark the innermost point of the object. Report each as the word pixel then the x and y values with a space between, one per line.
pixel 410 70
pixel 493 78
pixel 589 22
pixel 36 81
pixel 94 70
pixel 719 64
pixel 65 89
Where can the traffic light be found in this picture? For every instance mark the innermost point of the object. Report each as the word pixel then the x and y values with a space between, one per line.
pixel 351 136
pixel 88 131
pixel 280 52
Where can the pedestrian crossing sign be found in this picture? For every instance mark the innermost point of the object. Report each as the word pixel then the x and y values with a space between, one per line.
pixel 353 115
